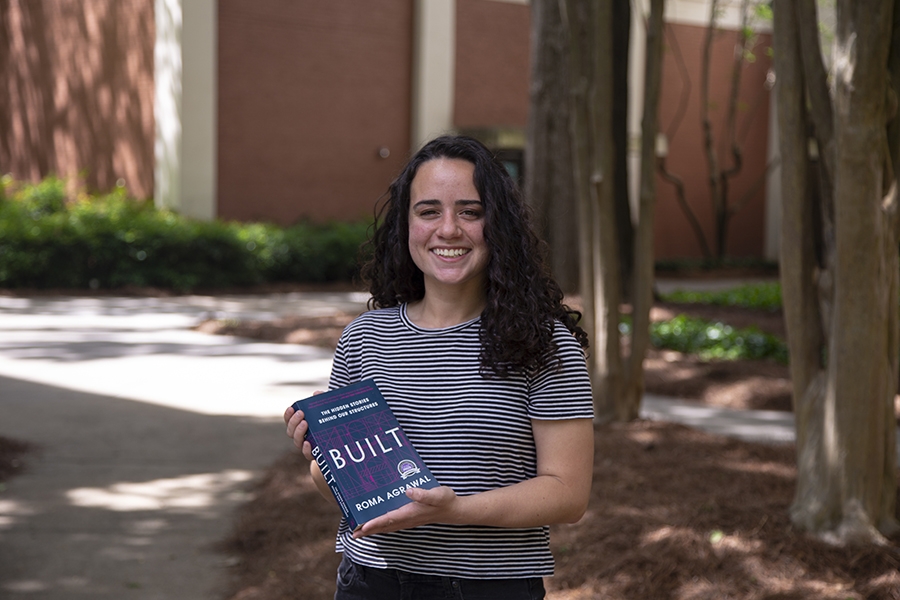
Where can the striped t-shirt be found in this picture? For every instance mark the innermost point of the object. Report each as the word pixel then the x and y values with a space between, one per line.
pixel 473 432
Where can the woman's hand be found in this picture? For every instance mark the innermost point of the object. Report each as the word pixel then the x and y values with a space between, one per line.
pixel 297 428
pixel 428 506
pixel 558 494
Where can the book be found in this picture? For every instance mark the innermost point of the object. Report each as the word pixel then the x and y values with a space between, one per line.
pixel 363 453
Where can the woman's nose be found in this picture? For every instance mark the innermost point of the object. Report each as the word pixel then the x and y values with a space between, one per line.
pixel 449 226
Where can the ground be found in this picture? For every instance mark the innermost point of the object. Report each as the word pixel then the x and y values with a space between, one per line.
pixel 675 513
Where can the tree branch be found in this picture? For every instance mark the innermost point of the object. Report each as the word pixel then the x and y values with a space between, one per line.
pixel 819 96
pixel 685 207
pixel 757 184
pixel 685 96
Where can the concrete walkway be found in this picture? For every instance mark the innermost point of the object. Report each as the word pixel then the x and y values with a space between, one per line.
pixel 149 433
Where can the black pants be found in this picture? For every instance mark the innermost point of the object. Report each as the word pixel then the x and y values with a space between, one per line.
pixel 356 582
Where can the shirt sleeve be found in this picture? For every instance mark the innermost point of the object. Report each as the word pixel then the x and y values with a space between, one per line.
pixel 562 388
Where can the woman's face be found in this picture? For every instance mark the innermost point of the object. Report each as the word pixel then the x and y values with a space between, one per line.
pixel 446 226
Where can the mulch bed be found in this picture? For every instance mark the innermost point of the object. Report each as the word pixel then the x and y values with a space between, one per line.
pixel 675 514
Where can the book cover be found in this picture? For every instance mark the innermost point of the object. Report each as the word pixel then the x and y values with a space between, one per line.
pixel 365 457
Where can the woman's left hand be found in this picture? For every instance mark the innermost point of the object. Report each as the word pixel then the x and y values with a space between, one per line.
pixel 558 494
pixel 427 506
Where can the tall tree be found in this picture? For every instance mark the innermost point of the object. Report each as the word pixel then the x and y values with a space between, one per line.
pixel 621 37
pixel 839 265
pixel 549 184
pixel 617 378
pixel 643 271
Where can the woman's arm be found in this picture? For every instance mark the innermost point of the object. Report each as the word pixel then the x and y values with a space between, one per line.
pixel 558 494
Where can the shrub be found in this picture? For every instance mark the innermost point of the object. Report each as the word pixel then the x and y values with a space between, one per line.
pixel 112 241
pixel 761 296
pixel 716 340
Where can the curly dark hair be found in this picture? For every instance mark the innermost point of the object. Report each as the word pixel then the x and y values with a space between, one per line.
pixel 523 300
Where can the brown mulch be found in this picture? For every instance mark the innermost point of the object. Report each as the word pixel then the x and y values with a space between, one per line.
pixel 744 384
pixel 675 513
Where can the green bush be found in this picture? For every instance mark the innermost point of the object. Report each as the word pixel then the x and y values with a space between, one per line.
pixel 716 340
pixel 317 253
pixel 112 241
pixel 760 296
pixel 719 341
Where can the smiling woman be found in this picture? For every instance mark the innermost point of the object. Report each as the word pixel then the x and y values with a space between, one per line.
pixel 483 367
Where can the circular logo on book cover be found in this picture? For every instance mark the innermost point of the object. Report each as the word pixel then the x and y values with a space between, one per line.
pixel 407 468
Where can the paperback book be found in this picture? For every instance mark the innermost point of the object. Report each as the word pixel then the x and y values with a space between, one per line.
pixel 366 459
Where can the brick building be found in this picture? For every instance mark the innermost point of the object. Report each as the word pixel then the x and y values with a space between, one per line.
pixel 285 110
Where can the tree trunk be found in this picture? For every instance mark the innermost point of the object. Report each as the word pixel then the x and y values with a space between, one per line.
pixel 712 160
pixel 608 364
pixel 549 185
pixel 799 264
pixel 642 280
pixel 588 26
pixel 846 445
pixel 621 34
pixel 860 385
pixel 574 14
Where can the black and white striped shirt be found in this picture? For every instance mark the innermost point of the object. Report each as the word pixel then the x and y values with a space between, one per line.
pixel 474 433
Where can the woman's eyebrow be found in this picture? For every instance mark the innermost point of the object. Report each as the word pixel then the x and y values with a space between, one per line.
pixel 427 203
pixel 435 202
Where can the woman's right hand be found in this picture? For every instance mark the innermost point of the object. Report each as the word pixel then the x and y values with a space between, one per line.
pixel 296 430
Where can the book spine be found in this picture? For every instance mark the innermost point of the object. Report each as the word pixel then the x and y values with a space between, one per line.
pixel 319 457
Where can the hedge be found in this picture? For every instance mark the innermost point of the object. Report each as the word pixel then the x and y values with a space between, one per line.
pixel 48 240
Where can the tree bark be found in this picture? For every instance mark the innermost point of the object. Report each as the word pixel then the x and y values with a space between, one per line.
pixel 712 159
pixel 643 275
pixel 549 185
pixel 625 225
pixel 588 25
pixel 843 398
pixel 607 358
pixel 574 14
pixel 859 373
pixel 805 334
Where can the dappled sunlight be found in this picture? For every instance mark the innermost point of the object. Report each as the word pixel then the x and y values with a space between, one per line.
pixel 188 493
pixel 118 347
pixel 666 361
pixel 11 511
pixel 788 472
pixel 26 586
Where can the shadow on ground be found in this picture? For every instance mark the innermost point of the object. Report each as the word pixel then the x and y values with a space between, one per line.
pixel 121 497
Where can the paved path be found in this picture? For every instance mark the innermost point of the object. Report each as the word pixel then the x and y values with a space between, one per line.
pixel 150 432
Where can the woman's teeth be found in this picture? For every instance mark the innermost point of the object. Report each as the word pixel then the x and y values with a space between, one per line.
pixel 450 253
